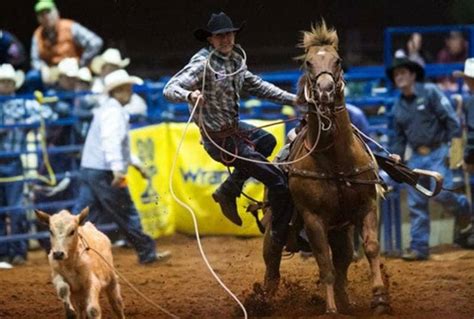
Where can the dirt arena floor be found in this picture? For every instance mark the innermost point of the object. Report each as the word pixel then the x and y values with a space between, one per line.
pixel 442 287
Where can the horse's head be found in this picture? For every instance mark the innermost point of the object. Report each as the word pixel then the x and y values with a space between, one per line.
pixel 322 79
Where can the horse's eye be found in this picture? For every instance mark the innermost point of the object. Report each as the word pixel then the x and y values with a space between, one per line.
pixel 71 232
pixel 51 232
pixel 308 64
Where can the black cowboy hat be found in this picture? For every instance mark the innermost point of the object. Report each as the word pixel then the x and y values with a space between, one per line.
pixel 410 65
pixel 218 23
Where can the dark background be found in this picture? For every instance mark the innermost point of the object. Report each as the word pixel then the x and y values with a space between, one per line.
pixel 157 35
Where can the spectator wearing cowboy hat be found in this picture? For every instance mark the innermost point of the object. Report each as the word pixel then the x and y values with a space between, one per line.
pixel 13 140
pixel 104 64
pixel 424 120
pixel 226 75
pixel 105 159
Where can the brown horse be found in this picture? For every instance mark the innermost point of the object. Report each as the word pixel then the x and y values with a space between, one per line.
pixel 335 188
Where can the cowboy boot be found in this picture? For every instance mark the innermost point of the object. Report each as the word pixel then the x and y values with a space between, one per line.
pixel 228 206
pixel 226 195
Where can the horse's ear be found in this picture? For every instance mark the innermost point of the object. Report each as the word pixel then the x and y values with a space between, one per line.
pixel 300 98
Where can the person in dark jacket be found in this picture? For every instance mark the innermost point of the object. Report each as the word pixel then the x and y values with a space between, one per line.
pixel 425 121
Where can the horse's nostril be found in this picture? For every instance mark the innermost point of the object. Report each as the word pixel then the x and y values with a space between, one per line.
pixel 327 87
pixel 330 87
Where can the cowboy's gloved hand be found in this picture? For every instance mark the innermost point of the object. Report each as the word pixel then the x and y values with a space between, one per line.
pixel 119 178
pixel 194 96
pixel 396 158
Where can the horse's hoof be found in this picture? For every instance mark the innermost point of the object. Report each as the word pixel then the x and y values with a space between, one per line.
pixel 270 285
pixel 270 288
pixel 382 310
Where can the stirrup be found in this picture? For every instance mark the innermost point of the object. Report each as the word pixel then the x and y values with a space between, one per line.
pixel 431 174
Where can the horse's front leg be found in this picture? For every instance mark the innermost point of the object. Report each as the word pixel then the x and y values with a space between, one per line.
pixel 317 235
pixel 381 299
pixel 272 256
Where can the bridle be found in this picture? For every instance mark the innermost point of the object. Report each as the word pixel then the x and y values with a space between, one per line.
pixel 325 115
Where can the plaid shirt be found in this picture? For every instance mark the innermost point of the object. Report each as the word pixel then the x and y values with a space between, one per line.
pixel 19 111
pixel 221 93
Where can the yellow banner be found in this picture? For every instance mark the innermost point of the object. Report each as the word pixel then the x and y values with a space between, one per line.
pixel 195 178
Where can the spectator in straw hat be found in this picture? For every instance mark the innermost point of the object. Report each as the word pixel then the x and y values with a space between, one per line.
pixel 424 120
pixel 105 159
pixel 13 141
pixel 104 64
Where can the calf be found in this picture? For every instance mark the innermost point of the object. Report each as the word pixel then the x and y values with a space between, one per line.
pixel 79 274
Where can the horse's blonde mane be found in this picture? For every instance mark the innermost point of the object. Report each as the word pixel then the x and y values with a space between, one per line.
pixel 319 35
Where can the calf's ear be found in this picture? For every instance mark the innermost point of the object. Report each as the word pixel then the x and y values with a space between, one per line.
pixel 83 215
pixel 42 216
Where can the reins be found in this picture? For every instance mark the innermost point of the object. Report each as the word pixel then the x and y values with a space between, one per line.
pixel 343 177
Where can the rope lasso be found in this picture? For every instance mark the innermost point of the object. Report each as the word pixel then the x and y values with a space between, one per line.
pixel 119 274
pixel 190 210
pixel 236 156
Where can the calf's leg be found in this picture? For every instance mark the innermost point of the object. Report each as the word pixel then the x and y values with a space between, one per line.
pixel 93 307
pixel 115 298
pixel 64 293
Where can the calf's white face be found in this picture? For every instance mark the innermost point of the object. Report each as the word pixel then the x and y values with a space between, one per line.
pixel 63 229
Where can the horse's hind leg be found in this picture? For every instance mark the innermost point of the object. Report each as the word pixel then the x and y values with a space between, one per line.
pixel 317 236
pixel 272 256
pixel 342 248
pixel 381 301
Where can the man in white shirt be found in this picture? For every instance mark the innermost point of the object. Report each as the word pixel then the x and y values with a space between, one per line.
pixel 105 159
